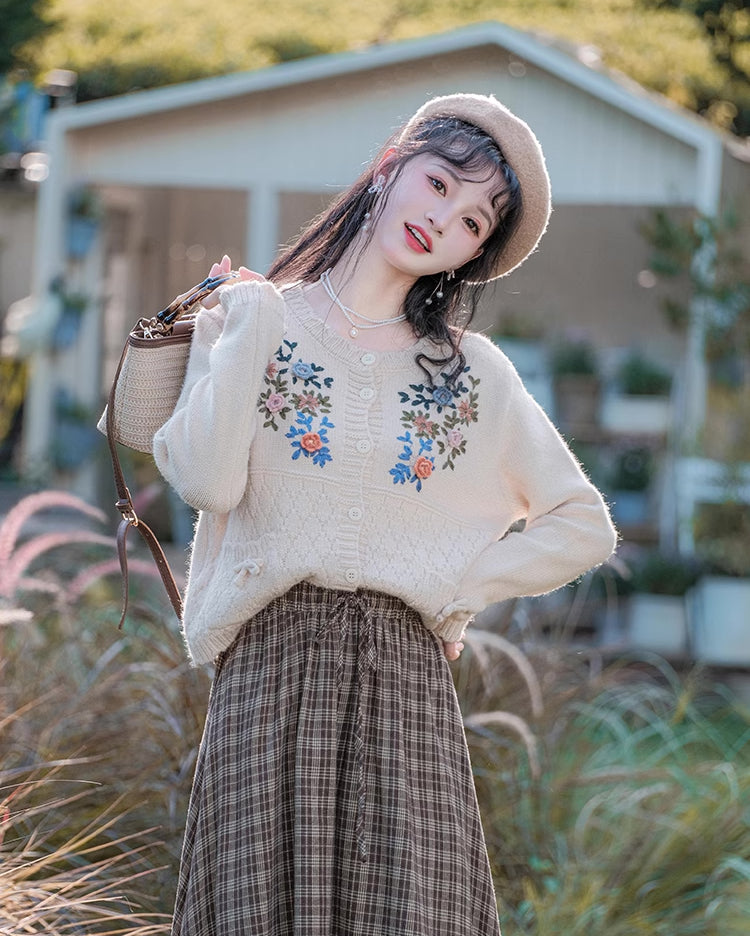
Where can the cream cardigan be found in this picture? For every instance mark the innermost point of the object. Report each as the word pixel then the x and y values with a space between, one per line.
pixel 310 458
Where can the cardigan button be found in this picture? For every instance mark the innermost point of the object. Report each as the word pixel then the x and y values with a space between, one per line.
pixel 355 513
pixel 364 446
pixel 368 358
pixel 351 576
pixel 367 393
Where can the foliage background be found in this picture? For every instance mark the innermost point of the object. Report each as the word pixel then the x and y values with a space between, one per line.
pixel 141 44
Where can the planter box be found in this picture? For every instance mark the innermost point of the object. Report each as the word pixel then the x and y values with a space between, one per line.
pixel 577 402
pixel 81 236
pixel 630 508
pixel 719 611
pixel 626 414
pixel 658 623
pixel 530 360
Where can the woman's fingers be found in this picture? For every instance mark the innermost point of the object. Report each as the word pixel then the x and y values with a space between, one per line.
pixel 222 268
pixel 452 649
pixel 246 274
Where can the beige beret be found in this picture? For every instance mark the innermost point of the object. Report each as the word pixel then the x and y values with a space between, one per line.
pixel 522 152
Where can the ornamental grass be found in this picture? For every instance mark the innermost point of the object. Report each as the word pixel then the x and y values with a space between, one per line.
pixel 615 793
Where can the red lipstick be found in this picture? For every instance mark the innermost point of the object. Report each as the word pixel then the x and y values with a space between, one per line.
pixel 417 238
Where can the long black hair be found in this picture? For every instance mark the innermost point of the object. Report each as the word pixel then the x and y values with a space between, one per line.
pixel 323 243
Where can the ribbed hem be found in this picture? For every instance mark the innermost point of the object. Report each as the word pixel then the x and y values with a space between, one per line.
pixel 451 631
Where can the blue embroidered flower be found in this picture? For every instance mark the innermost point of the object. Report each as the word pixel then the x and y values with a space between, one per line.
pixel 302 370
pixel 306 441
pixel 442 396
pixel 310 374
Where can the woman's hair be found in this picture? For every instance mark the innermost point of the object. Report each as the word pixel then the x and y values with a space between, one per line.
pixel 324 242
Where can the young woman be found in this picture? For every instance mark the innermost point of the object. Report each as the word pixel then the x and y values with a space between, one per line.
pixel 361 463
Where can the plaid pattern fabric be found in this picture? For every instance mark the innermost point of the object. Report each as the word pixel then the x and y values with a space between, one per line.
pixel 333 794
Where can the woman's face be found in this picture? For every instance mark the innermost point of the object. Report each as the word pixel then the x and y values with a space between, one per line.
pixel 436 217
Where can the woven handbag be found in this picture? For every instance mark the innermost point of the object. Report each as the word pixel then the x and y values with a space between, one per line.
pixel 145 390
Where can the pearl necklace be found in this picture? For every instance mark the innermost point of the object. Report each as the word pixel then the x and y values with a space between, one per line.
pixel 350 314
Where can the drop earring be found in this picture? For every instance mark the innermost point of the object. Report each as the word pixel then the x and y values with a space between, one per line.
pixel 375 189
pixel 438 293
pixel 377 186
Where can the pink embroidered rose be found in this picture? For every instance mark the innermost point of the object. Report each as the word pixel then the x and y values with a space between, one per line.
pixel 275 402
pixel 307 401
pixel 271 369
pixel 454 437
pixel 423 467
pixel 423 425
pixel 467 410
pixel 311 442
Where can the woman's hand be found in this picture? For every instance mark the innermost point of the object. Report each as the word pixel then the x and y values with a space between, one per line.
pixel 452 649
pixel 225 266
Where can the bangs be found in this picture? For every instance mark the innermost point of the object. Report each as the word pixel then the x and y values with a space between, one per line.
pixel 468 149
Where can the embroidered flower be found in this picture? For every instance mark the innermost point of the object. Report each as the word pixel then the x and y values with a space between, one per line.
pixel 275 402
pixel 309 401
pixel 407 468
pixel 423 467
pixel 302 370
pixel 306 441
pixel 454 438
pixel 436 414
pixel 467 410
pixel 311 442
pixel 442 396
pixel 423 425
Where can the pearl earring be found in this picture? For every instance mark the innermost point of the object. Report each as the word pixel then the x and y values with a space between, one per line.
pixel 438 291
pixel 377 186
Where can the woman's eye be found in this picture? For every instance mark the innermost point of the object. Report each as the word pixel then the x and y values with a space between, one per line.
pixel 472 225
pixel 437 184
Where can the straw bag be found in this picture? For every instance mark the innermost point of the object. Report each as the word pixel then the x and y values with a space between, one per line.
pixel 145 390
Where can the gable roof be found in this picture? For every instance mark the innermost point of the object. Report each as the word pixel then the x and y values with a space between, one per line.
pixel 619 91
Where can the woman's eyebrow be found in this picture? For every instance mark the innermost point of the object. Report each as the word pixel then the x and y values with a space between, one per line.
pixel 457 178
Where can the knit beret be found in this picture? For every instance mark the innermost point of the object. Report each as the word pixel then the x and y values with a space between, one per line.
pixel 520 149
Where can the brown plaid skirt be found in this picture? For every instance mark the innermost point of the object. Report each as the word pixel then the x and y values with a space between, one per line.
pixel 333 794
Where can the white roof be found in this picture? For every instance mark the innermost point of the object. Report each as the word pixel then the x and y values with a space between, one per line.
pixel 666 154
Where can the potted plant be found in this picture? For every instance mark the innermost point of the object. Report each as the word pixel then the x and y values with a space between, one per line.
pixel 720 606
pixel 629 485
pixel 72 309
pixel 84 218
pixel 76 436
pixel 519 338
pixel 657 612
pixel 638 401
pixel 575 371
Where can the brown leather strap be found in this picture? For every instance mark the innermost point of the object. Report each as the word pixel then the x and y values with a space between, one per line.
pixel 124 503
pixel 130 518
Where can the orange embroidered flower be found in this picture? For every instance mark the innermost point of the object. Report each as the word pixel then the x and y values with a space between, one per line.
pixel 311 442
pixel 423 467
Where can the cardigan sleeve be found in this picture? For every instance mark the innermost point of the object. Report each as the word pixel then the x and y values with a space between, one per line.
pixel 203 449
pixel 567 528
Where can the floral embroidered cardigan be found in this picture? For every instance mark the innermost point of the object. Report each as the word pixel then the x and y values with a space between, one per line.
pixel 311 458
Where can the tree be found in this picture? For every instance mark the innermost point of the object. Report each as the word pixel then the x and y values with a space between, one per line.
pixel 21 20
pixel 726 25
